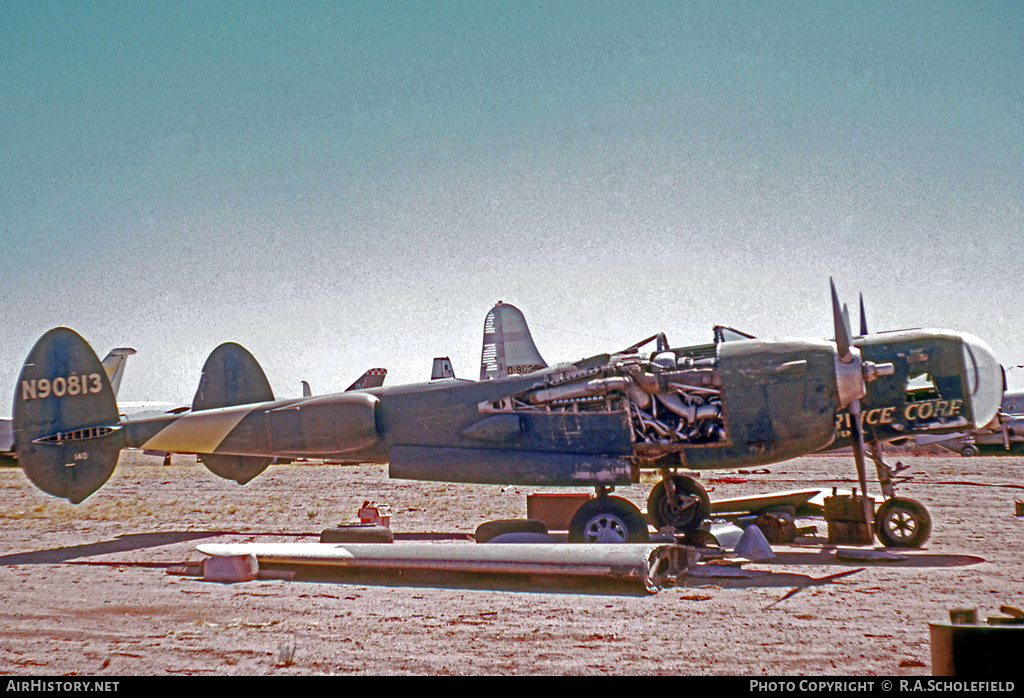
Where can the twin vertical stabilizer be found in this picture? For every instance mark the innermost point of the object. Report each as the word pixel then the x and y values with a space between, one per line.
pixel 66 427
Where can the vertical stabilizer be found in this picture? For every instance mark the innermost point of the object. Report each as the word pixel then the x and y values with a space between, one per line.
pixel 373 378
pixel 442 368
pixel 114 364
pixel 508 346
pixel 66 427
pixel 231 376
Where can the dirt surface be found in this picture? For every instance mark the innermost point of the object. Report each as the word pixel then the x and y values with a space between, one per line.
pixel 86 587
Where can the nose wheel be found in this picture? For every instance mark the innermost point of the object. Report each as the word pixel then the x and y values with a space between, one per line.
pixel 902 523
pixel 899 522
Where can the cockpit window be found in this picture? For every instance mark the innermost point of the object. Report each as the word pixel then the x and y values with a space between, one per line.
pixel 970 370
pixel 984 378
pixel 921 387
pixel 728 334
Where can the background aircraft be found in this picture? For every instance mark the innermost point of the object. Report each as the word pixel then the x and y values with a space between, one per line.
pixel 373 378
pixel 596 422
pixel 1002 436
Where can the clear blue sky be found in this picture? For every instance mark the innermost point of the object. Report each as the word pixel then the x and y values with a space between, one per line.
pixel 345 185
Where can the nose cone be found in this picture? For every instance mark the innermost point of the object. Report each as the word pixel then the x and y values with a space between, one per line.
pixel 984 380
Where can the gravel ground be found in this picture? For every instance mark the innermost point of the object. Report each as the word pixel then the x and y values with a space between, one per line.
pixel 87 588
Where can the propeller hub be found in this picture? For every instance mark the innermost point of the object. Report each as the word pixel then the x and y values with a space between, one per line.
pixel 849 376
pixel 871 370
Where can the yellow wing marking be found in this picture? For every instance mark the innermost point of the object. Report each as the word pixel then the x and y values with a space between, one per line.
pixel 198 432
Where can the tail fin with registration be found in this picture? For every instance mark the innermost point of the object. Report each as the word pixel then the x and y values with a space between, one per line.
pixel 66 426
pixel 508 346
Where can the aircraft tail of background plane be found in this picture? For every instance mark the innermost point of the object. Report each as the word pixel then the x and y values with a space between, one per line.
pixel 373 378
pixel 114 364
pixel 442 368
pixel 508 345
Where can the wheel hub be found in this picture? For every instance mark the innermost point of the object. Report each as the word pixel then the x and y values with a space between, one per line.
pixel 901 524
pixel 605 529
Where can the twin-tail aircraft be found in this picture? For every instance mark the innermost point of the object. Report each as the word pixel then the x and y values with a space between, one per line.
pixel 736 402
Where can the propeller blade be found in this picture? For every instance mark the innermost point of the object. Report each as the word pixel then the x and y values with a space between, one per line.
pixel 842 332
pixel 844 347
pixel 858 457
pixel 863 318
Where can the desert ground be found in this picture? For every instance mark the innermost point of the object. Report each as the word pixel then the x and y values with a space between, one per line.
pixel 87 589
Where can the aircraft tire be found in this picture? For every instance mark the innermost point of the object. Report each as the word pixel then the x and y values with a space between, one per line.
pixel 969 450
pixel 608 520
pixel 489 530
pixel 902 523
pixel 692 505
pixel 357 533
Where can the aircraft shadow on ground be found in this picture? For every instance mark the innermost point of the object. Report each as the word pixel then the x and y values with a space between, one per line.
pixel 524 583
pixel 858 558
pixel 730 577
pixel 122 544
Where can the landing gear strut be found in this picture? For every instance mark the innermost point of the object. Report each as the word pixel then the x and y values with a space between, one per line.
pixel 899 522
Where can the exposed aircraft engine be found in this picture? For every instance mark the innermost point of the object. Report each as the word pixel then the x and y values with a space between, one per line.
pixel 676 406
pixel 670 400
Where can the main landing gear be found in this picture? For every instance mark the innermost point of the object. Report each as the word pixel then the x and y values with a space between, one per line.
pixel 607 519
pixel 678 502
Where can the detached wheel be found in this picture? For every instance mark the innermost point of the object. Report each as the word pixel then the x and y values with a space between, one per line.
pixel 902 523
pixel 492 529
pixel 608 520
pixel 690 506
